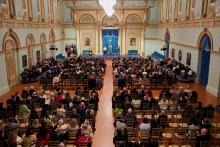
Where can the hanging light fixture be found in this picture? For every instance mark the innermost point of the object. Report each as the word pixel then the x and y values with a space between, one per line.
pixel 108 5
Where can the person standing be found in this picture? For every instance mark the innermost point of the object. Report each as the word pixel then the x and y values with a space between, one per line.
pixel 105 50
pixel 119 50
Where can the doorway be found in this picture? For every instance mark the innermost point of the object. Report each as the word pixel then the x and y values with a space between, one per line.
pixel 110 42
pixel 204 59
pixel 10 63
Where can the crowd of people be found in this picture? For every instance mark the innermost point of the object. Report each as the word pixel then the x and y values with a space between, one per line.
pixel 39 117
pixel 78 69
pixel 34 73
pixel 182 72
pixel 131 104
pixel 140 70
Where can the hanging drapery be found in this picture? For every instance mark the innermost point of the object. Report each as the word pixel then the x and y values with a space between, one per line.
pixel 110 41
pixel 205 59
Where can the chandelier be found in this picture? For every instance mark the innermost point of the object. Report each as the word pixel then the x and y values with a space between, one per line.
pixel 108 5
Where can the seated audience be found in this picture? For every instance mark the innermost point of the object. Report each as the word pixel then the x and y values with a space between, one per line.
pixel 145 127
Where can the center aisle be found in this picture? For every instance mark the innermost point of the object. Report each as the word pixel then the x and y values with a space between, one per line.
pixel 104 133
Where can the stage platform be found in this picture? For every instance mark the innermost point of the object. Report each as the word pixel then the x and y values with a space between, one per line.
pixel 110 56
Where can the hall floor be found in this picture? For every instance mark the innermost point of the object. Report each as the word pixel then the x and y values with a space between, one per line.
pixel 104 121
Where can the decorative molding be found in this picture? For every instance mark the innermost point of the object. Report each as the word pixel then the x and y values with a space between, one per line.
pixel 201 35
pixel 13 23
pixel 4 90
pixel 174 43
pixel 203 23
pixel 10 34
pixel 39 44
pixel 69 39
pixel 213 91
pixel 182 45
pixel 215 53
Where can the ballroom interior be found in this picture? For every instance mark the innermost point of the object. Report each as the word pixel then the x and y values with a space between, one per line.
pixel 187 31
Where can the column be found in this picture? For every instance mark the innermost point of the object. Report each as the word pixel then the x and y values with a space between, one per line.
pixel 142 42
pixel 100 43
pixel 50 18
pixel 78 41
pixel 97 41
pixel 58 11
pixel 161 11
pixel 204 8
pixel 123 41
pixel 30 16
pixel 188 5
pixel 42 10
pixel 11 8
pixel 176 10
pixel 119 40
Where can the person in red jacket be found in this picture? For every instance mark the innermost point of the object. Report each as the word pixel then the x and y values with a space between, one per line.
pixel 59 97
pixel 43 137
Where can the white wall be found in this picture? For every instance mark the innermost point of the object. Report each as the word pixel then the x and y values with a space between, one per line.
pixel 22 35
pixel 154 40
pixel 3 75
pixel 214 75
pixel 186 39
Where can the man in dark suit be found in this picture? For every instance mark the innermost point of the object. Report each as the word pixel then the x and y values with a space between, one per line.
pixel 203 140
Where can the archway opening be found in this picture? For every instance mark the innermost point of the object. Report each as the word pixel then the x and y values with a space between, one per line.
pixel 10 45
pixel 205 46
pixel 10 54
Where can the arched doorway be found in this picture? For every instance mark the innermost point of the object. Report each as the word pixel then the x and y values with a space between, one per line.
pixel 10 63
pixel 52 39
pixel 29 44
pixel 43 45
pixel 10 44
pixel 167 44
pixel 205 46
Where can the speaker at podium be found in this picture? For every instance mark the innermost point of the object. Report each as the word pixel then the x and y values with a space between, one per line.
pixel 90 53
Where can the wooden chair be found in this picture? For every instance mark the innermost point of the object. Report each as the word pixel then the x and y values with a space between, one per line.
pixel 72 135
pixel 183 122
pixel 173 123
pixel 53 143
pixel 120 144
pixel 130 122
pixel 83 144
pixel 168 134
pixel 155 134
pixel 69 143
pixel 180 134
pixel 205 144
pixel 131 134
pixel 216 122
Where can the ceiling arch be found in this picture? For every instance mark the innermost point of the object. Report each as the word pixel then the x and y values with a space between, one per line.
pixel 133 19
pixel 87 19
